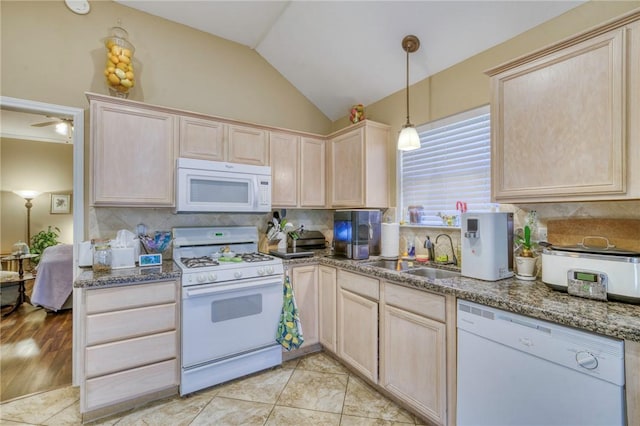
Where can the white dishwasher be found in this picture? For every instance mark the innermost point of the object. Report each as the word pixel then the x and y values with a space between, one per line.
pixel 515 370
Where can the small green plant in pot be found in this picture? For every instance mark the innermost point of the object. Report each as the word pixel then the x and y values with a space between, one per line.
pixel 525 243
pixel 525 259
pixel 42 240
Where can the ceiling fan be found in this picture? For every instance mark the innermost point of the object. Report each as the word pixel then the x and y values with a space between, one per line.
pixel 64 126
pixel 56 120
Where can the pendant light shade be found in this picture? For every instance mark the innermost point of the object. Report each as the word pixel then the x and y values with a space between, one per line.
pixel 409 138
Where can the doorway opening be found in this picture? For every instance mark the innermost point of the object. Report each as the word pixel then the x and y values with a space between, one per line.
pixel 36 337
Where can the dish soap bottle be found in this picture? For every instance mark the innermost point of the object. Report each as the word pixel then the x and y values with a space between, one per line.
pixel 429 246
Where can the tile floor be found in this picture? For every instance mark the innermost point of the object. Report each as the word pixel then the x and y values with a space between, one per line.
pixel 313 390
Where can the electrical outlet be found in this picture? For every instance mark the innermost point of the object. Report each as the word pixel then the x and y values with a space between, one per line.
pixel 542 234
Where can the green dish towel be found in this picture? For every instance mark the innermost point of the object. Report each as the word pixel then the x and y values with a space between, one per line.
pixel 289 330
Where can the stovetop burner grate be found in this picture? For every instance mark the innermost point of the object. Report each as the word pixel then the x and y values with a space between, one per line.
pixel 207 261
pixel 198 262
pixel 255 257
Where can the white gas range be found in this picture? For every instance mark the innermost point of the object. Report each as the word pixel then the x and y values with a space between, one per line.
pixel 231 304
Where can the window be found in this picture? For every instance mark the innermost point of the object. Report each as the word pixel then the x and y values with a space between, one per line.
pixel 453 164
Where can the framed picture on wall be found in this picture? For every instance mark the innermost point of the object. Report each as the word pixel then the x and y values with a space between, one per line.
pixel 60 203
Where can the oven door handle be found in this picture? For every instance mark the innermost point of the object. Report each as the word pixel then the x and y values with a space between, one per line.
pixel 226 288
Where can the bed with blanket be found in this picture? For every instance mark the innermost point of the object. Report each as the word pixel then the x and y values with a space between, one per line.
pixel 53 286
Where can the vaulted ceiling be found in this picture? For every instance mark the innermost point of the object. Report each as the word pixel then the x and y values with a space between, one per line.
pixel 339 53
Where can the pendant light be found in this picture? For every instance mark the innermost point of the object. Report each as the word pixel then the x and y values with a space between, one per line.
pixel 409 139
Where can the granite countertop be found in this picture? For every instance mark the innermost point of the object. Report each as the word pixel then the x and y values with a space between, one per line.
pixel 531 298
pixel 127 276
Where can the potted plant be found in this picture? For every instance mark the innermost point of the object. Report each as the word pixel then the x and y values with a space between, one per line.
pixel 525 258
pixel 42 240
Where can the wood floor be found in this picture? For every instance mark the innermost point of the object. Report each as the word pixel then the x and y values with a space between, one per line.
pixel 35 350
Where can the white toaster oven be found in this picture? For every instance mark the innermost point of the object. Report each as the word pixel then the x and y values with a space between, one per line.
pixel 616 271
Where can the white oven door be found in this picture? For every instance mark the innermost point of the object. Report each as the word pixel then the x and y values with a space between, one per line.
pixel 219 320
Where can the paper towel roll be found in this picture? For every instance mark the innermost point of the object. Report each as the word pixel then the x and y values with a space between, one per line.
pixel 390 240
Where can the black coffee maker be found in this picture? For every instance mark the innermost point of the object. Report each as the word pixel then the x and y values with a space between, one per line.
pixel 356 233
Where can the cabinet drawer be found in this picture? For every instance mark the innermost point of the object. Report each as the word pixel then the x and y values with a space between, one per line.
pixel 117 356
pixel 359 284
pixel 119 387
pixel 110 326
pixel 419 302
pixel 132 296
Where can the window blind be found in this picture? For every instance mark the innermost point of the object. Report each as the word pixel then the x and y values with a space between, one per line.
pixel 452 164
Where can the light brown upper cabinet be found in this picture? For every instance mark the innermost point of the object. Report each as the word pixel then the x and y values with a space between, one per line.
pixel 358 169
pixel 202 138
pixel 210 139
pixel 297 170
pixel 248 145
pixel 313 168
pixel 565 120
pixel 134 147
pixel 132 150
pixel 284 150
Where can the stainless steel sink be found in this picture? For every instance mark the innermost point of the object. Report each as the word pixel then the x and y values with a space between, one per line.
pixel 433 273
pixel 386 264
pixel 422 271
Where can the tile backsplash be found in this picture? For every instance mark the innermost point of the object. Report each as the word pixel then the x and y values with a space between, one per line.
pixel 544 212
pixel 105 222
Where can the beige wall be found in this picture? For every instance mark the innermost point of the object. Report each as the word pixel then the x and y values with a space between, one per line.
pixel 465 86
pixel 50 54
pixel 39 166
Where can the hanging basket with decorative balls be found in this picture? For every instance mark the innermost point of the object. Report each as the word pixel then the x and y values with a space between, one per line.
pixel 118 71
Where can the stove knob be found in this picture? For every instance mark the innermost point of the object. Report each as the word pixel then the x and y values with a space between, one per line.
pixel 212 277
pixel 237 274
pixel 587 360
pixel 269 269
pixel 260 271
pixel 200 278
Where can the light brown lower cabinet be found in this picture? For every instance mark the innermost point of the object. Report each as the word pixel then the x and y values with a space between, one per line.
pixel 327 301
pixel 304 280
pixel 358 322
pixel 632 379
pixel 413 349
pixel 130 346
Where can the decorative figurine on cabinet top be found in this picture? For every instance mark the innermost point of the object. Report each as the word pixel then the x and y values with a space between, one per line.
pixel 357 113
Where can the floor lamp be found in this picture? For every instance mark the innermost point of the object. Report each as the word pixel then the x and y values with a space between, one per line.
pixel 28 195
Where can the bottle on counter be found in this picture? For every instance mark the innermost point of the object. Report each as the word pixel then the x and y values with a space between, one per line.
pixel 430 251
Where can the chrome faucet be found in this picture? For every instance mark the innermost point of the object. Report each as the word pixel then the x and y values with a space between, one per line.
pixel 453 252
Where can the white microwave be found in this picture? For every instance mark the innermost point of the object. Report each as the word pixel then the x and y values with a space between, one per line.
pixel 215 186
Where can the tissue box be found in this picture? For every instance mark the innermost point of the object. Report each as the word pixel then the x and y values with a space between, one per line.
pixel 123 257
